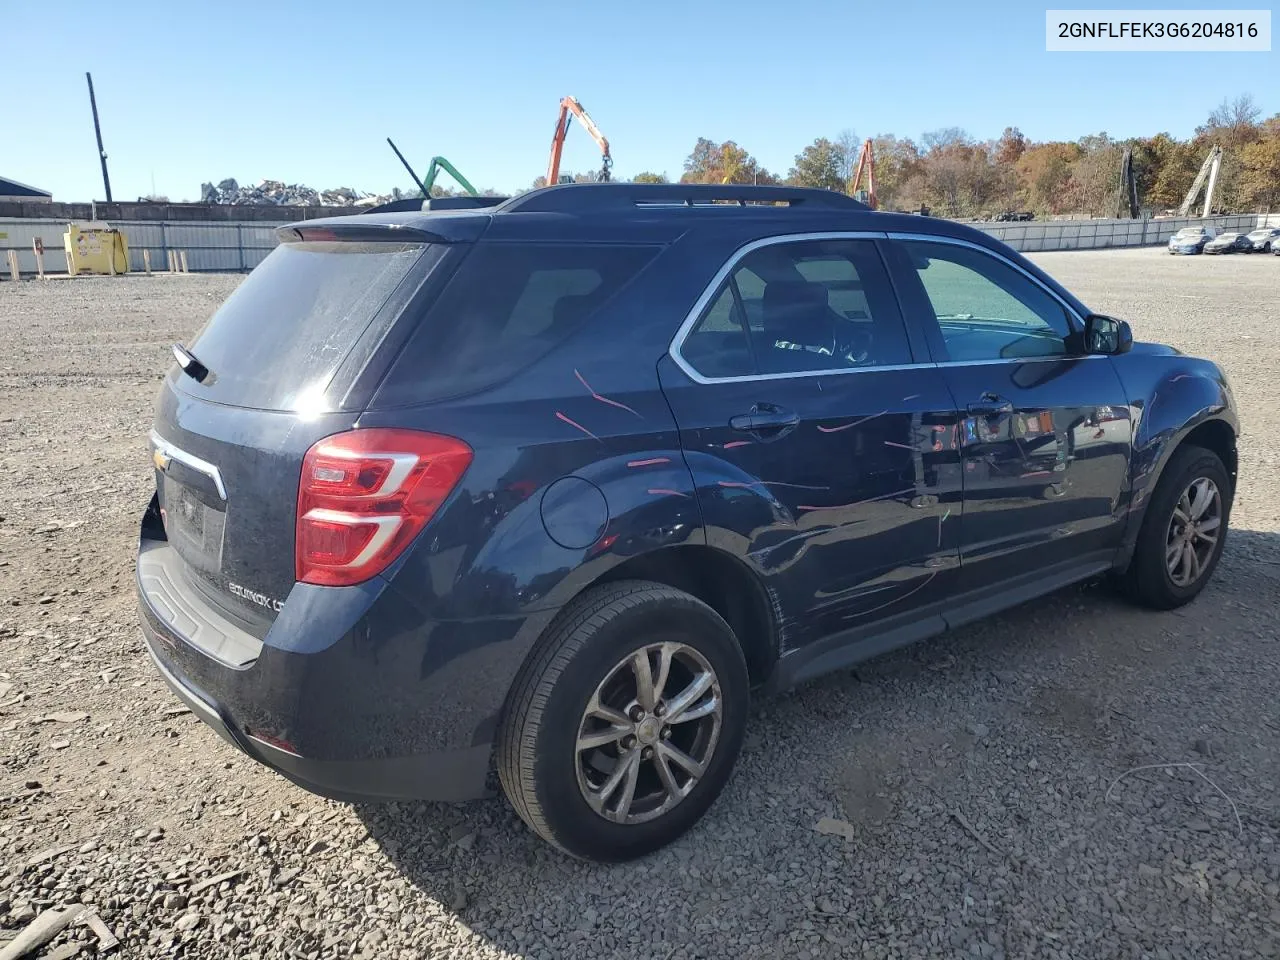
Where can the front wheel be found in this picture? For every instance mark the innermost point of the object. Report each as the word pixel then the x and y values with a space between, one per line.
pixel 625 724
pixel 1183 531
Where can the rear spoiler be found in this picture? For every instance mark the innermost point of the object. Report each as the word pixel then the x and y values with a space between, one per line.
pixel 419 205
pixel 386 228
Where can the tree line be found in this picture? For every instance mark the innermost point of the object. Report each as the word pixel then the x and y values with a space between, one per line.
pixel 955 175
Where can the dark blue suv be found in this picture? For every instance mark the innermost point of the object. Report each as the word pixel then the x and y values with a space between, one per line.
pixel 550 486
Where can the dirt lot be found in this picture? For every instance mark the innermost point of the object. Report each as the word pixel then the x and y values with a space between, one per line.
pixel 979 771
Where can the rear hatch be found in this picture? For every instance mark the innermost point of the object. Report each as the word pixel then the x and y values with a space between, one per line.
pixel 291 357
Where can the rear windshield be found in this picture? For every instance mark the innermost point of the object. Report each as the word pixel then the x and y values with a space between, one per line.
pixel 507 305
pixel 278 339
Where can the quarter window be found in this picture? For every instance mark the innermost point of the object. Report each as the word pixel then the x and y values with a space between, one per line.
pixel 985 309
pixel 802 307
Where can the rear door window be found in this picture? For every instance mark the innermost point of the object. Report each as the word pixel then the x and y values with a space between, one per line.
pixel 506 306
pixel 800 307
pixel 277 341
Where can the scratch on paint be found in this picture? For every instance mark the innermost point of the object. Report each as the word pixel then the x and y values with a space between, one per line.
pixel 941 520
pixel 1036 473
pixel 914 396
pixel 847 426
pixel 863 613
pixel 900 446
pixel 769 483
pixel 663 491
pixel 846 506
pixel 648 463
pixel 612 403
pixel 575 423
pixel 737 443
pixel 792 539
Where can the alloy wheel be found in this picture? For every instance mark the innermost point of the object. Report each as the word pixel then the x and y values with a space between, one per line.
pixel 1193 532
pixel 648 733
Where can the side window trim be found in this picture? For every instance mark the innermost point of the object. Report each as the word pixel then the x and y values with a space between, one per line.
pixel 726 270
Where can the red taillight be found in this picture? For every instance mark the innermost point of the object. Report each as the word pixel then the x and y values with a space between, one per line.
pixel 365 494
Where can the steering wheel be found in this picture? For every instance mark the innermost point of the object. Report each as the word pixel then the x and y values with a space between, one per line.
pixel 852 344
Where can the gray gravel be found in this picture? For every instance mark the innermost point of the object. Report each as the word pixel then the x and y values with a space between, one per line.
pixel 968 785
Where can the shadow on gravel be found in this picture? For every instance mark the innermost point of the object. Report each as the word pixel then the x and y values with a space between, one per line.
pixel 897 753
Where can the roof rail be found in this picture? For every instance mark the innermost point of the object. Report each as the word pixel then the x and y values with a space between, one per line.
pixel 598 197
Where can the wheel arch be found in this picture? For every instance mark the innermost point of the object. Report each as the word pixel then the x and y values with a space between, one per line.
pixel 1214 433
pixel 722 582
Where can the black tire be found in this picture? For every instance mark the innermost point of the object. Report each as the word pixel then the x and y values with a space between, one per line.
pixel 537 758
pixel 1148 580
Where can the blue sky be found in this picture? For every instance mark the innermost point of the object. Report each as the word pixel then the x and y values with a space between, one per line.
pixel 307 92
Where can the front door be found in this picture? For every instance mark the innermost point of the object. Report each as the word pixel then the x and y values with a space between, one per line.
pixel 1045 439
pixel 820 440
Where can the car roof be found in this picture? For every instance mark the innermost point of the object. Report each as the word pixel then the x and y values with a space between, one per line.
pixel 654 213
pixel 641 213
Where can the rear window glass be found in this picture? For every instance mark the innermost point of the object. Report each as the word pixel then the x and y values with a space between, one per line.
pixel 507 305
pixel 278 339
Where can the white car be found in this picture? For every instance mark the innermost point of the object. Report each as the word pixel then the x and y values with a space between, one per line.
pixel 1263 240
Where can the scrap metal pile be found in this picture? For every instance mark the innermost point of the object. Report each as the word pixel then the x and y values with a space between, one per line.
pixel 275 193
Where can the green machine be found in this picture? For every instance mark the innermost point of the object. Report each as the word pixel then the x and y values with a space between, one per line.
pixel 437 164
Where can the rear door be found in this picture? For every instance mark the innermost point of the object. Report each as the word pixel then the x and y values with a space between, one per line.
pixel 285 357
pixel 1046 437
pixel 820 442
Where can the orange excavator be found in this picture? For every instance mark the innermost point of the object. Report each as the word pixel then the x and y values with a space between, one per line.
pixel 866 161
pixel 570 105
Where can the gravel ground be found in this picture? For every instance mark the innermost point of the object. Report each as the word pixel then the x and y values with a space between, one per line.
pixel 985 787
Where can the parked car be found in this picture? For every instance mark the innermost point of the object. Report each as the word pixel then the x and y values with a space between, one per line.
pixel 552 485
pixel 1229 243
pixel 1191 239
pixel 1263 239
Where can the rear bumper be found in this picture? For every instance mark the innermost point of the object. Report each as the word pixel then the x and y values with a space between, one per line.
pixel 352 693
pixel 452 775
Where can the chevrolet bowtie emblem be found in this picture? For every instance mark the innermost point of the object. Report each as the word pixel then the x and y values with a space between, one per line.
pixel 160 459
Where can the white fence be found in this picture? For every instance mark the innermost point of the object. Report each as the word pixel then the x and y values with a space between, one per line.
pixel 242 246
pixel 209 246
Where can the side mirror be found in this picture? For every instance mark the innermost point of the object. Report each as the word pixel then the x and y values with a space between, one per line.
pixel 1106 335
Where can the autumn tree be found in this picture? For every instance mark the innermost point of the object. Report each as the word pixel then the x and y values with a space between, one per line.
pixel 850 146
pixel 819 165
pixel 1010 147
pixel 1259 181
pixel 1232 123
pixel 1043 172
pixel 898 172
pixel 650 177
pixel 723 163
pixel 959 177
pixel 1095 176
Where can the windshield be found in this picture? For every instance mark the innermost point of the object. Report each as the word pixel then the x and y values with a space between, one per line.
pixel 1259 234
pixel 279 338
pixel 1228 236
pixel 1187 233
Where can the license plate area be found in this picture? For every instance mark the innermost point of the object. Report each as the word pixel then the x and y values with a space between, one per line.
pixel 193 523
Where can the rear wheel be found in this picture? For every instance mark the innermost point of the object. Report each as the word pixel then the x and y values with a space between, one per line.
pixel 1183 532
pixel 625 724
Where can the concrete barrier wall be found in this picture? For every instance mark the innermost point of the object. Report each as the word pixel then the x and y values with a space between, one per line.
pixel 242 246
pixel 1101 234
